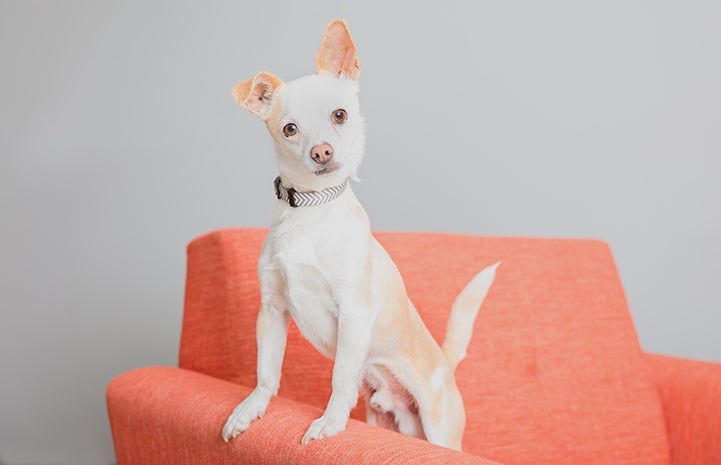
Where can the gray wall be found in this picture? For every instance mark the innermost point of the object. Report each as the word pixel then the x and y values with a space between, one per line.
pixel 120 142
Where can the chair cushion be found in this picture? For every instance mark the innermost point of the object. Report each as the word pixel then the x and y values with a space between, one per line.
pixel 554 371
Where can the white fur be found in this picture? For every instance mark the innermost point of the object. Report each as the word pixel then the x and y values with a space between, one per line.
pixel 308 102
pixel 322 267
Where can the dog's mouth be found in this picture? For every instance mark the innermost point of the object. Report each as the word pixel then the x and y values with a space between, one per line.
pixel 330 168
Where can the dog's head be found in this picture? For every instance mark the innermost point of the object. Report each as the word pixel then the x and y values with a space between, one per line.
pixel 315 120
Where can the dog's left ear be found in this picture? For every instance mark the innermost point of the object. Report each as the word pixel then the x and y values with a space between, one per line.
pixel 337 54
pixel 256 94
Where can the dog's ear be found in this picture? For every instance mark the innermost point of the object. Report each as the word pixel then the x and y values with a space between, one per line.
pixel 337 54
pixel 256 94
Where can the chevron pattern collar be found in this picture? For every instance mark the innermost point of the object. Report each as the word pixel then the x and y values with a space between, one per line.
pixel 307 199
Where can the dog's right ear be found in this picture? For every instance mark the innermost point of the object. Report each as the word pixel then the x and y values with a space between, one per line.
pixel 256 94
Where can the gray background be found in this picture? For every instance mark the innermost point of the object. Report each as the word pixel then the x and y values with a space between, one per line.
pixel 120 143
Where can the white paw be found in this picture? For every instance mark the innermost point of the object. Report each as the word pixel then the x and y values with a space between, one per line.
pixel 251 408
pixel 382 401
pixel 324 428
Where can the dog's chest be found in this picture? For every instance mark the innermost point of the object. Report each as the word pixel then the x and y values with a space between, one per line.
pixel 306 288
pixel 313 261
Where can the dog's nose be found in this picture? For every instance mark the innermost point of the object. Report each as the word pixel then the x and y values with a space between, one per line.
pixel 321 153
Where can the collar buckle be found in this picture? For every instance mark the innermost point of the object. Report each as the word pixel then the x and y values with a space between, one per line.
pixel 291 192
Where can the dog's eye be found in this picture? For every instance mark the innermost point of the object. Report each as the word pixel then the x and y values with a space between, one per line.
pixel 290 129
pixel 339 116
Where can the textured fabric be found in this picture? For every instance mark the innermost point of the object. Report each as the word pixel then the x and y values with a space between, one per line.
pixel 691 395
pixel 164 415
pixel 554 372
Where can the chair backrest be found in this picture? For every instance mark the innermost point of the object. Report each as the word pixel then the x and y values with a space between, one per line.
pixel 554 372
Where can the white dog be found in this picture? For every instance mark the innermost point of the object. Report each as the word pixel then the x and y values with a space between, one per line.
pixel 321 266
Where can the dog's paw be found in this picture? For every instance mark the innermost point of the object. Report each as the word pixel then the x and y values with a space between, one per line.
pixel 251 408
pixel 323 428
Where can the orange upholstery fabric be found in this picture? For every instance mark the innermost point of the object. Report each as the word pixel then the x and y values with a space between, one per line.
pixel 164 415
pixel 554 372
pixel 691 395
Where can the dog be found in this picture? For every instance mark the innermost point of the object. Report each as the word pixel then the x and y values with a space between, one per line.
pixel 321 266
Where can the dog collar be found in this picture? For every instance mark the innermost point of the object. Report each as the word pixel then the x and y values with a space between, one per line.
pixel 307 199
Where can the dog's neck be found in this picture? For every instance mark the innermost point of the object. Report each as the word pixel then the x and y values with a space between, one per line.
pixel 296 198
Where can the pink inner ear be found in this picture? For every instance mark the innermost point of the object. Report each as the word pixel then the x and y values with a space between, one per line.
pixel 348 61
pixel 337 54
pixel 256 93
pixel 260 95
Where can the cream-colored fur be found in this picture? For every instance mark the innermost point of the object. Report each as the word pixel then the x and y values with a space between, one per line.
pixel 322 267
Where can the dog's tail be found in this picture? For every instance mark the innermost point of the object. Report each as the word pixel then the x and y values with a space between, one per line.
pixel 463 314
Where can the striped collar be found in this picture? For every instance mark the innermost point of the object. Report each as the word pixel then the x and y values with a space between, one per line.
pixel 307 199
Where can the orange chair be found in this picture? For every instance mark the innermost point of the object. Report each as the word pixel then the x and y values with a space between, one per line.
pixel 554 373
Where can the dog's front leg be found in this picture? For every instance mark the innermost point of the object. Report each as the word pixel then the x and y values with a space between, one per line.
pixel 272 333
pixel 354 335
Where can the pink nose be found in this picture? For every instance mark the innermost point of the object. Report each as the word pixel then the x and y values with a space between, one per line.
pixel 321 153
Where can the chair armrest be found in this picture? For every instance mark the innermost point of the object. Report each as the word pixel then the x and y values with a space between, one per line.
pixel 691 396
pixel 163 415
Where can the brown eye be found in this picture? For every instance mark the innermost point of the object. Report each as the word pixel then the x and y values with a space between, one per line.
pixel 290 129
pixel 339 116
